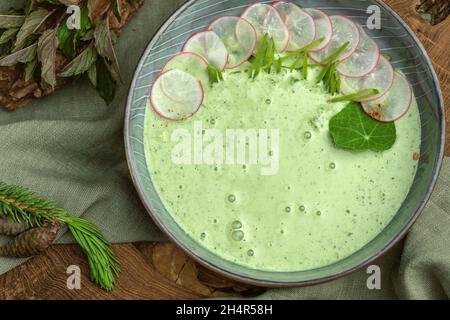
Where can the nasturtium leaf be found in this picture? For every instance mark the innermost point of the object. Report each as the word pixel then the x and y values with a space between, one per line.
pixel 353 129
pixel 81 63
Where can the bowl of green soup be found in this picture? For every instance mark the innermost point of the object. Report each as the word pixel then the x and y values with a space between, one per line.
pixel 284 143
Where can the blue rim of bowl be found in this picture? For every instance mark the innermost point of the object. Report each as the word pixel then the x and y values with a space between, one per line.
pixel 278 284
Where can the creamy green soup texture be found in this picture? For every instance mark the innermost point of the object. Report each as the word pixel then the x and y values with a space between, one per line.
pixel 321 205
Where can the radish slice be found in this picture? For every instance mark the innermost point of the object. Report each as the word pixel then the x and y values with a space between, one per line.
pixel 394 104
pixel 265 19
pixel 191 63
pixel 176 95
pixel 239 38
pixel 300 25
pixel 343 30
pixel 363 61
pixel 208 45
pixel 381 78
pixel 324 28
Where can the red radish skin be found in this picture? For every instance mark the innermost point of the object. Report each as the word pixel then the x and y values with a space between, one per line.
pixel 193 55
pixel 372 67
pixel 380 118
pixel 223 59
pixel 324 16
pixel 273 11
pixel 314 54
pixel 185 53
pixel 247 24
pixel 287 12
pixel 391 83
pixel 155 108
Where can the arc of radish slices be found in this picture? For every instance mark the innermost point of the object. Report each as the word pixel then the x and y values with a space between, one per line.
pixel 176 95
pixel 238 36
pixel 301 26
pixel 191 63
pixel 364 60
pixel 343 30
pixel 265 19
pixel 208 45
pixel 381 78
pixel 324 28
pixel 394 104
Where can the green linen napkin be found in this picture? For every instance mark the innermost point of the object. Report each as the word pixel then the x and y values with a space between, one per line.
pixel 69 147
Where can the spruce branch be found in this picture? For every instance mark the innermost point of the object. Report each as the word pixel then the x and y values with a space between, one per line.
pixel 22 205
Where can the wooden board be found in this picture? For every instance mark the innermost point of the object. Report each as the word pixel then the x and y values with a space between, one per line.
pixel 161 271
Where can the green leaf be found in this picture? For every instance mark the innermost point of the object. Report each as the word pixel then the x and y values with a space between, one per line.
pixel 11 21
pixel 353 129
pixel 106 85
pixel 85 22
pixel 104 45
pixel 30 67
pixel 92 74
pixel 133 2
pixel 25 55
pixel 358 96
pixel 8 35
pixel 117 10
pixel 47 45
pixel 332 57
pixel 30 26
pixel 66 39
pixel 29 4
pixel 81 63
pixel 215 75
pixel 258 61
pixel 69 2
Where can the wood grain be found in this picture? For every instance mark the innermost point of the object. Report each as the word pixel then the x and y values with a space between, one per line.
pixel 159 271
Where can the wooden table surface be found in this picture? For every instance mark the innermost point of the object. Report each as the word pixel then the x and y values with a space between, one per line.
pixel 161 271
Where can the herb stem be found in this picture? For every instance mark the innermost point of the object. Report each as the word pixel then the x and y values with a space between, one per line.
pixel 335 54
pixel 360 95
pixel 306 48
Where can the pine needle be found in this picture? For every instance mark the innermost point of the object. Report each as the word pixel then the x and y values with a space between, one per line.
pixel 23 205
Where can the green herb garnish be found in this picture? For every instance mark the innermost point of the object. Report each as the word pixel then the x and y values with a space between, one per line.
pixel 215 75
pixel 305 49
pixel 335 55
pixel 357 96
pixel 259 60
pixel 353 129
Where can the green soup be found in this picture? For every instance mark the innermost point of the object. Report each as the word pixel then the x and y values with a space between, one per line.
pixel 308 205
